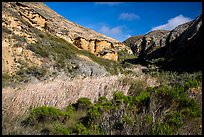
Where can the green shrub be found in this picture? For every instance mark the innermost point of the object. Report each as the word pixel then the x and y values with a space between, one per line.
pixel 128 120
pixel 191 84
pixel 5 76
pixel 94 112
pixel 83 103
pixel 6 79
pixel 24 73
pixel 189 107
pixel 124 55
pixel 45 114
pixel 70 109
pixel 95 129
pixel 102 99
pixel 175 119
pixel 38 49
pixel 60 130
pixel 169 93
pixel 171 104
pixel 136 86
pixel 118 95
pixel 80 129
pixel 107 106
pixel 177 92
pixel 119 98
pixel 143 97
pixel 148 118
pixel 23 63
pixel 161 129
pixel 37 72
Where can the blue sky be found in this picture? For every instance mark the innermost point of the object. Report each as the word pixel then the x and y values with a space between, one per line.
pixel 121 20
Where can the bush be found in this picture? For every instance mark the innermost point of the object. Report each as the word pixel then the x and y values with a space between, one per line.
pixel 6 79
pixel 119 98
pixel 191 84
pixel 104 104
pixel 80 129
pixel 70 109
pixel 169 93
pixel 124 55
pixel 143 98
pixel 161 129
pixel 102 99
pixel 170 104
pixel 59 129
pixel 118 95
pixel 45 114
pixel 148 118
pixel 24 73
pixel 82 103
pixel 136 87
pixel 38 49
pixel 175 119
pixel 128 120
pixel 94 112
pixel 189 107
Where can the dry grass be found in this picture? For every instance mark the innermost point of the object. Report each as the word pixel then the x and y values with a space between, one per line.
pixel 59 93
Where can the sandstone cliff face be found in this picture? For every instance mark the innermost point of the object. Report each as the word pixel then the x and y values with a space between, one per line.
pixel 25 23
pixel 15 36
pixel 43 18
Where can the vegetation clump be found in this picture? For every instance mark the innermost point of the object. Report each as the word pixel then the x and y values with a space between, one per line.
pixel 161 110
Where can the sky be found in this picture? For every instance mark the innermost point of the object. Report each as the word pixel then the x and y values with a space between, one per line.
pixel 121 20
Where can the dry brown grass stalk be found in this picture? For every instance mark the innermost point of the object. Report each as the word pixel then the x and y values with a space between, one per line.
pixel 60 92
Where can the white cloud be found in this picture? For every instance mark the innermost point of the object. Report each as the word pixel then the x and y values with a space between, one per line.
pixel 115 30
pixel 108 3
pixel 172 23
pixel 128 16
pixel 118 32
pixel 128 35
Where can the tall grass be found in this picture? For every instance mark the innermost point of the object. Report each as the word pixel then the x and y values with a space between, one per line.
pixel 17 102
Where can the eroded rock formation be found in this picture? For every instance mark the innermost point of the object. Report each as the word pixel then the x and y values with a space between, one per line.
pixel 22 21
pixel 45 19
pixel 180 47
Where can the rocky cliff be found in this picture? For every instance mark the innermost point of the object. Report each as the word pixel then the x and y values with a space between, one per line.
pixel 31 30
pixel 180 47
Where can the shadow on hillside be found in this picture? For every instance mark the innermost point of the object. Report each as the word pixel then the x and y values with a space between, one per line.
pixel 136 61
pixel 176 65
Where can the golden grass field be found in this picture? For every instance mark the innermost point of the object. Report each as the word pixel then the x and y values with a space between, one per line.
pixel 16 102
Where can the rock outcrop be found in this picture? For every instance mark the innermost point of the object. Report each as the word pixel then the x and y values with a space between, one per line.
pixel 184 46
pixel 179 47
pixel 25 23
pixel 43 18
pixel 146 44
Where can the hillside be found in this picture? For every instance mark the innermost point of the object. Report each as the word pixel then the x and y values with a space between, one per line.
pixel 60 78
pixel 37 42
pixel 178 49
